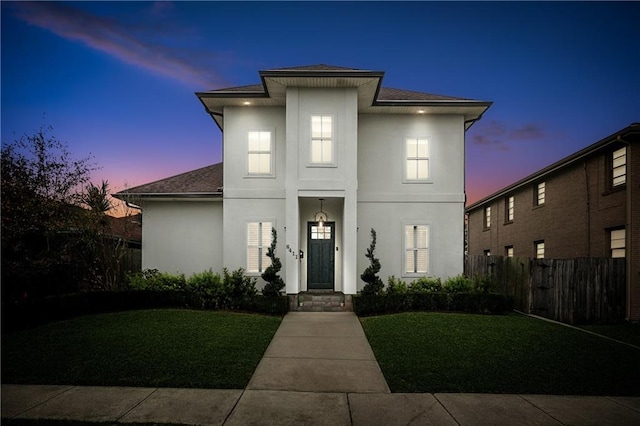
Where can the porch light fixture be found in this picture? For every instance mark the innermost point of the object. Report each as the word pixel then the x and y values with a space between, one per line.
pixel 320 216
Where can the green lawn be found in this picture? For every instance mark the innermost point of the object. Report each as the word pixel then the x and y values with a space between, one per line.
pixel 173 348
pixel 629 333
pixel 442 352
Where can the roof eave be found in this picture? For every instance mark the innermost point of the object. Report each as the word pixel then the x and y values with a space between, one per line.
pixel 126 196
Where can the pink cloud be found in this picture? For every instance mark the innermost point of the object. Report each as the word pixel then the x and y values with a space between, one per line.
pixel 497 135
pixel 135 46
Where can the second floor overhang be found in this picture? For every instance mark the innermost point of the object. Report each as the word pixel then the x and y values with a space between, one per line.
pixel 372 97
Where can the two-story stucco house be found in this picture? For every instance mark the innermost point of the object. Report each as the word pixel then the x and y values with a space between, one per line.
pixel 322 154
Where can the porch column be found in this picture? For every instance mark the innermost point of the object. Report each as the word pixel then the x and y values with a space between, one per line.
pixel 350 243
pixel 292 277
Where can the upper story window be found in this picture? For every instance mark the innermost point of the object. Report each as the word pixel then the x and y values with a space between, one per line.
pixel 508 251
pixel 416 253
pixel 619 167
pixel 509 208
pixel 618 242
pixel 258 242
pixel 416 159
pixel 539 249
pixel 540 194
pixel 322 149
pixel 259 160
pixel 487 217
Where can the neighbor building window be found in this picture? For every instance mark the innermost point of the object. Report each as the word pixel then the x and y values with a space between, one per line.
pixel 416 159
pixel 322 139
pixel 618 243
pixel 258 241
pixel 619 167
pixel 487 252
pixel 508 251
pixel 539 249
pixel 509 207
pixel 540 197
pixel 416 253
pixel 487 217
pixel 260 155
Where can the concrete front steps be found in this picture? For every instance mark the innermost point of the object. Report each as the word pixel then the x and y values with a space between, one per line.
pixel 321 301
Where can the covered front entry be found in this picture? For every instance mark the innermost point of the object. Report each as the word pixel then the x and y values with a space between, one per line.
pixel 321 237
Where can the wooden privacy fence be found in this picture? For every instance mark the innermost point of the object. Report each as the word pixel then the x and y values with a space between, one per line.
pixel 572 291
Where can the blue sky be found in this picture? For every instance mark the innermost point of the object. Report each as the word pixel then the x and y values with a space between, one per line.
pixel 117 79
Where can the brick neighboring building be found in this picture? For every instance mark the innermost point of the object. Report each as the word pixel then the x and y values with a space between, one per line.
pixel 585 205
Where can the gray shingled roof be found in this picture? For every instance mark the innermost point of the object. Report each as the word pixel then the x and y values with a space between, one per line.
pixel 317 67
pixel 385 93
pixel 206 180
pixel 390 94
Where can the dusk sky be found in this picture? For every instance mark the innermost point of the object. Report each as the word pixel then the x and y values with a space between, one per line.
pixel 117 79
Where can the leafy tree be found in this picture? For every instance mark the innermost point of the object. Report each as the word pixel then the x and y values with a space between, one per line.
pixel 101 251
pixel 40 183
pixel 270 275
pixel 370 276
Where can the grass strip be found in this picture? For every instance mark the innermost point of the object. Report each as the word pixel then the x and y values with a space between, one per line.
pixel 443 352
pixel 155 348
pixel 629 332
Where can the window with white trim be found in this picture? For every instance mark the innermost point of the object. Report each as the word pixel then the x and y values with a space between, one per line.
pixel 509 208
pixel 619 167
pixel 487 217
pixel 618 243
pixel 539 249
pixel 416 249
pixel 259 153
pixel 258 242
pixel 541 190
pixel 322 139
pixel 416 159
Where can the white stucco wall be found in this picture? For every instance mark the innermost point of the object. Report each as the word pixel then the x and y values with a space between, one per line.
pixel 364 188
pixel 182 236
pixel 305 181
pixel 386 203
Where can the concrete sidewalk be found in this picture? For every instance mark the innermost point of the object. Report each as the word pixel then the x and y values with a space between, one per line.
pixel 318 370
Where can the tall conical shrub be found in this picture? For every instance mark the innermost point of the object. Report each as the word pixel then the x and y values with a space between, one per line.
pixel 270 275
pixel 374 284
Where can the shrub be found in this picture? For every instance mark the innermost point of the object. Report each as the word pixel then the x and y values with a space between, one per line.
pixel 481 303
pixel 278 305
pixel 208 289
pixel 374 284
pixel 270 275
pixel 483 284
pixel 425 285
pixel 238 288
pixel 459 284
pixel 152 279
pixel 396 286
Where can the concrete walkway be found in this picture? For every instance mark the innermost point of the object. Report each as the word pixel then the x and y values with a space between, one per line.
pixel 318 370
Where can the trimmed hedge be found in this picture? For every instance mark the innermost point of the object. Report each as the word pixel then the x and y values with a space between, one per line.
pixel 476 303
pixel 54 308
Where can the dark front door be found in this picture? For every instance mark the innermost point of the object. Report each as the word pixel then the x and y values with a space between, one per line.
pixel 320 255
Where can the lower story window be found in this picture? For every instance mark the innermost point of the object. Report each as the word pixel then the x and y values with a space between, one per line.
pixel 258 242
pixel 539 249
pixel 416 253
pixel 618 243
pixel 508 251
